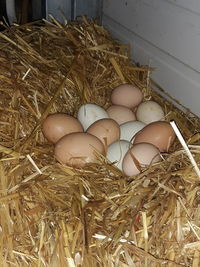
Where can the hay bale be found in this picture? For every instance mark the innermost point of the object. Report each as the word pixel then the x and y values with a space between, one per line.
pixel 54 215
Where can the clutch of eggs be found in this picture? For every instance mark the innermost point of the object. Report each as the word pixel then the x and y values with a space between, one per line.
pixel 129 133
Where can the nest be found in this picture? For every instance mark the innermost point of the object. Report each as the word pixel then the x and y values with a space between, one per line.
pixel 54 215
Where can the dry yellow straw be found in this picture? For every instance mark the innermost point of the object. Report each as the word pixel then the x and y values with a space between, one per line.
pixel 145 234
pixel 34 164
pixel 195 262
pixel 183 143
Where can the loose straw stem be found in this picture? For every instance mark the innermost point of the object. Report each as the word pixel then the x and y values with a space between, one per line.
pixel 183 143
pixel 145 234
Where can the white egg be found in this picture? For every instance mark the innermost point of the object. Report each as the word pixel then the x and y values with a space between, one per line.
pixel 149 111
pixel 129 129
pixel 116 152
pixel 89 113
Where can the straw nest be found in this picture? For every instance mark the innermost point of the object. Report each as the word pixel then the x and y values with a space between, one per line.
pixel 53 215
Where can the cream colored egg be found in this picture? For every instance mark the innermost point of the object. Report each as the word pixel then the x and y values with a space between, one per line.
pixel 149 111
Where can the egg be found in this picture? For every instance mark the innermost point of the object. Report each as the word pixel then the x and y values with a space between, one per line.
pixel 140 156
pixel 120 114
pixel 159 133
pixel 57 125
pixel 126 95
pixel 89 113
pixel 129 129
pixel 107 130
pixel 149 111
pixel 116 152
pixel 77 149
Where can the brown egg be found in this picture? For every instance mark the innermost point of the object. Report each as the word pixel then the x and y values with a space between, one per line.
pixel 57 125
pixel 138 157
pixel 77 149
pixel 126 95
pixel 107 130
pixel 159 133
pixel 121 114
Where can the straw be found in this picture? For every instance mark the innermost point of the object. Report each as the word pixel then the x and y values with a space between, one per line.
pixel 183 143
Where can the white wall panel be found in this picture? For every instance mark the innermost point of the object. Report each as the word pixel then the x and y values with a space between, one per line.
pixel 167 36
pixel 166 26
pixel 191 5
